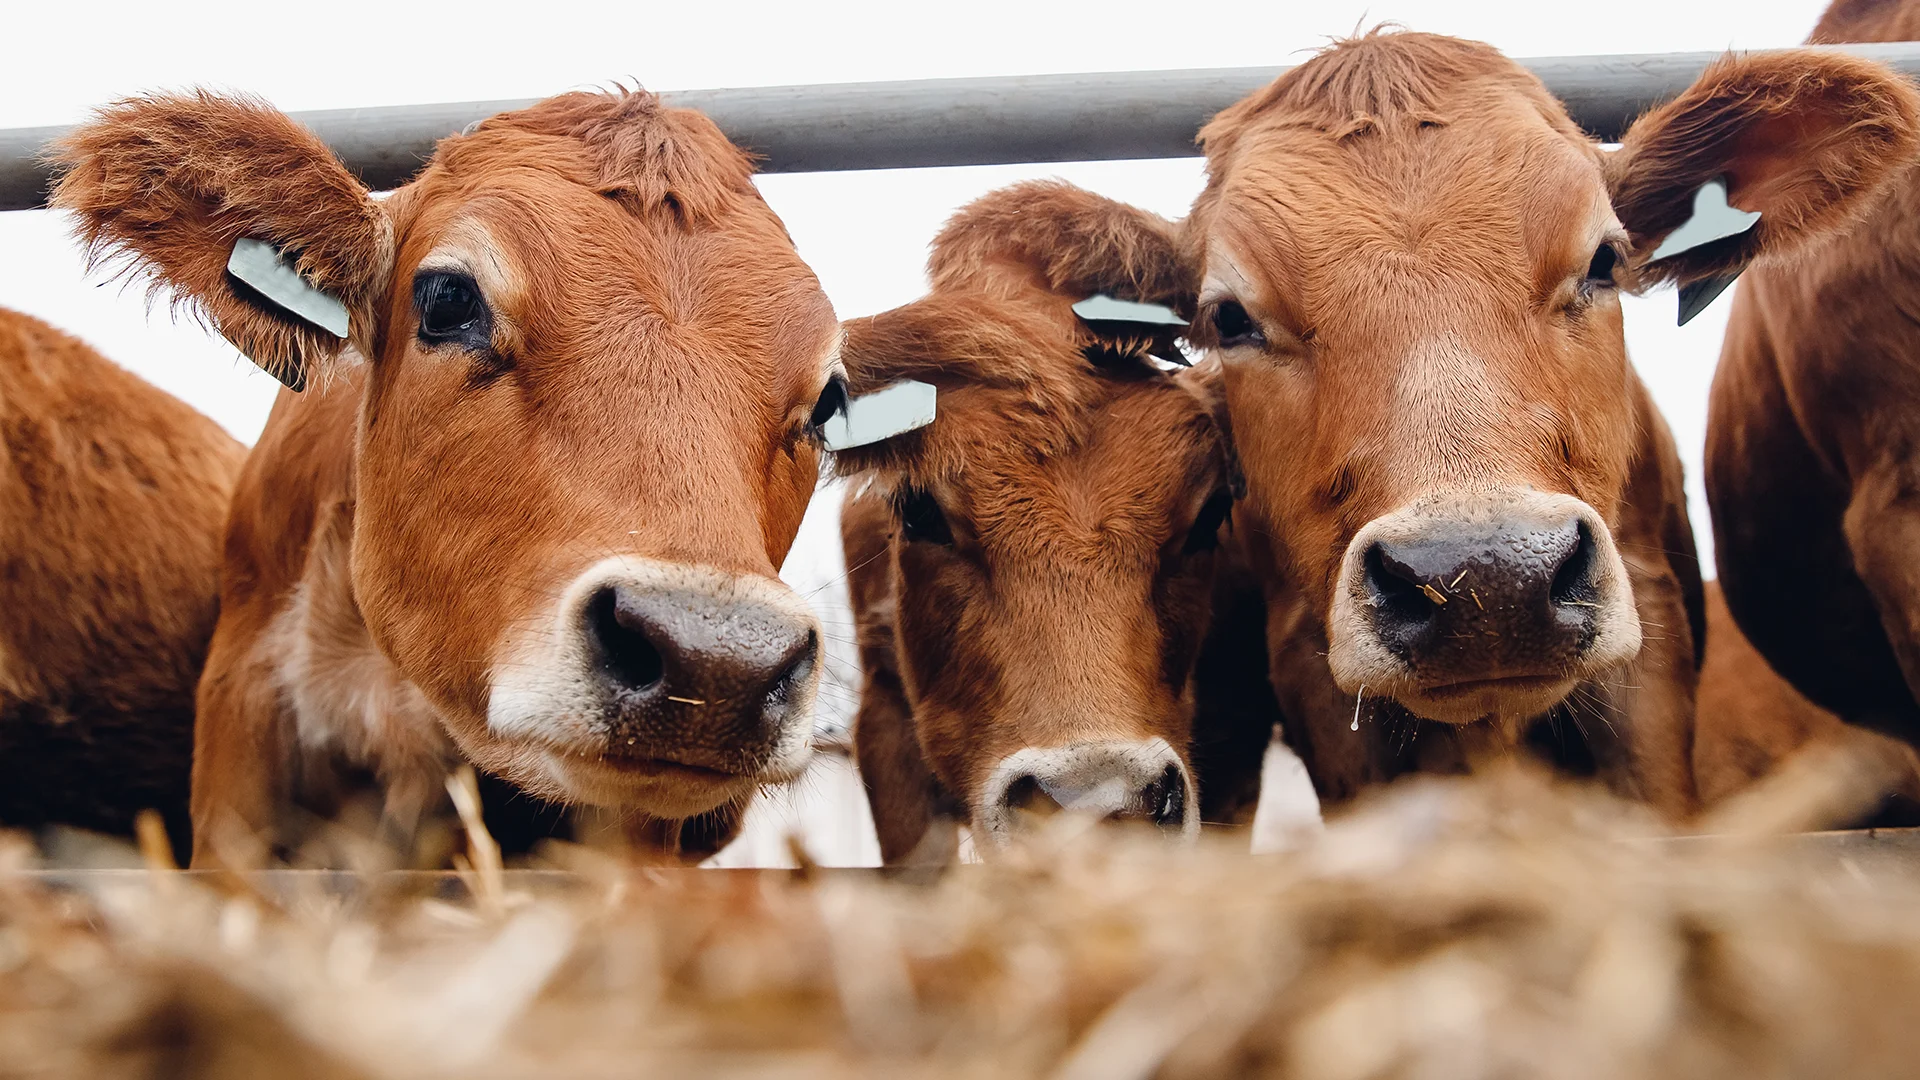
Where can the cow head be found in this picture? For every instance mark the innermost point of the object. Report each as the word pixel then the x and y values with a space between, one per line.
pixel 590 366
pixel 1055 526
pixel 1412 266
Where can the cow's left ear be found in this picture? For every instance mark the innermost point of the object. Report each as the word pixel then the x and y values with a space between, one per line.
pixel 1805 139
pixel 1072 242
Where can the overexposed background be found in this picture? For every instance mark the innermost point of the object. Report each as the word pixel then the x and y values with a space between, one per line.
pixel 863 232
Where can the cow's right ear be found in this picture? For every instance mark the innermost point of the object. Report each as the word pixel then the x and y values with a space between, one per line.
pixel 1804 140
pixel 168 185
pixel 1079 244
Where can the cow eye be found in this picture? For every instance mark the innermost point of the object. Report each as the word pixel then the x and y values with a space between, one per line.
pixel 833 402
pixel 450 308
pixel 921 520
pixel 1600 271
pixel 1205 533
pixel 1233 326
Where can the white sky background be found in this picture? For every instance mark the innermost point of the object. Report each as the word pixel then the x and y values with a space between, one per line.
pixel 864 233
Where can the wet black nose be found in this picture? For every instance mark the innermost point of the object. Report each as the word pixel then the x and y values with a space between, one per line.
pixel 1161 802
pixel 683 647
pixel 1481 601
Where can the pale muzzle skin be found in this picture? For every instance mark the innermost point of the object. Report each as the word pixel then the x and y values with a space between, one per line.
pixel 1490 603
pixel 1144 781
pixel 657 684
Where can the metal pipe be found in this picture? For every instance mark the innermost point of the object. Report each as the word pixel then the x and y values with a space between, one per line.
pixel 895 125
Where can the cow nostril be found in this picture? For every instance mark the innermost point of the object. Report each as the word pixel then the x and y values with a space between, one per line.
pixel 627 655
pixel 1573 581
pixel 1166 799
pixel 1397 592
pixel 1026 794
pixel 798 665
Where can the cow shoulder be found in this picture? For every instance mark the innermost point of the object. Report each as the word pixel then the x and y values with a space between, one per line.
pixel 112 493
pixel 112 497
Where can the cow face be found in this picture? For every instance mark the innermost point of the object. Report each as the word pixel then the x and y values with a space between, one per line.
pixel 1054 528
pixel 1412 264
pixel 595 366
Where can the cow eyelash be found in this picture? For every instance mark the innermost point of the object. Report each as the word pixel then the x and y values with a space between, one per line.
pixel 832 402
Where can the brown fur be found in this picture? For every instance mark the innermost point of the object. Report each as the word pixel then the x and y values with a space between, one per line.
pixel 1052 234
pixel 656 349
pixel 1867 20
pixel 904 797
pixel 1066 610
pixel 1810 448
pixel 1751 720
pixel 1405 199
pixel 112 494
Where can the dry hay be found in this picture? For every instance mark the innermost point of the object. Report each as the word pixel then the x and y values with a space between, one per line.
pixel 1443 929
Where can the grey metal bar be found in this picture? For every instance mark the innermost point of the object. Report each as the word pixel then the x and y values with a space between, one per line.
pixel 893 125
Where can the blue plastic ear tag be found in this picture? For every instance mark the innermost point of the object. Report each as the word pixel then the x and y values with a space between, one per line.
pixel 891 410
pixel 1698 296
pixel 1713 219
pixel 1103 308
pixel 270 274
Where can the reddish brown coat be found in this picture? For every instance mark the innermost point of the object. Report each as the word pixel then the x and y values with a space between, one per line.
pixel 432 548
pixel 112 495
pixel 1425 249
pixel 1752 720
pixel 1032 575
pixel 1813 447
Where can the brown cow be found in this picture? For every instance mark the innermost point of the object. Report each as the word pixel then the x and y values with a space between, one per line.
pixel 1813 448
pixel 112 496
pixel 1751 720
pixel 531 510
pixel 1032 573
pixel 1465 495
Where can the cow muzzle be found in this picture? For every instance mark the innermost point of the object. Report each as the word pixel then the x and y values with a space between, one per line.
pixel 1481 605
pixel 1143 782
pixel 664 688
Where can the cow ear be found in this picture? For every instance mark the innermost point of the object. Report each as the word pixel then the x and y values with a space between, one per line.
pixel 239 213
pixel 880 351
pixel 976 351
pixel 970 339
pixel 1803 139
pixel 1078 244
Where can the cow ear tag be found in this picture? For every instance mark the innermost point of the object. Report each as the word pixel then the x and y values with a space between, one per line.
pixel 1698 296
pixel 1713 219
pixel 271 274
pixel 1101 308
pixel 892 410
